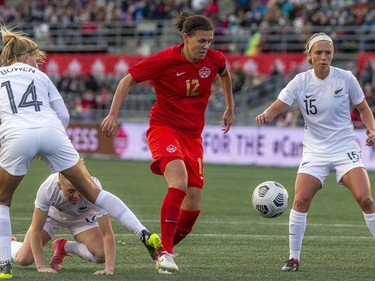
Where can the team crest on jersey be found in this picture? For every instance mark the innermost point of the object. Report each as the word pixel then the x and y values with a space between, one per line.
pixel 204 72
pixel 171 148
pixel 338 93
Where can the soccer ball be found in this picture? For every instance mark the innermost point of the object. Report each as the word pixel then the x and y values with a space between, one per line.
pixel 270 199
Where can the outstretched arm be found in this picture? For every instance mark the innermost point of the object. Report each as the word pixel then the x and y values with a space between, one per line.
pixel 271 112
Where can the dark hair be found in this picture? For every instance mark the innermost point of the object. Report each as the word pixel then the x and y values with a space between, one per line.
pixel 189 24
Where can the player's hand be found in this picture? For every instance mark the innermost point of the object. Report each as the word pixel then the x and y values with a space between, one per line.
pixel 263 118
pixel 228 119
pixel 104 272
pixel 45 269
pixel 109 125
pixel 370 141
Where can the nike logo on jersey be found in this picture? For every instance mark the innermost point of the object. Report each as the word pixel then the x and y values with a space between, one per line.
pixel 309 96
pixel 180 73
pixel 338 91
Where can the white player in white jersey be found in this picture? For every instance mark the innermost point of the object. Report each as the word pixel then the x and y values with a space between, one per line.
pixel 59 205
pixel 33 122
pixel 325 95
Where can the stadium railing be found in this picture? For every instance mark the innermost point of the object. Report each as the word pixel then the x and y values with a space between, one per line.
pixel 151 36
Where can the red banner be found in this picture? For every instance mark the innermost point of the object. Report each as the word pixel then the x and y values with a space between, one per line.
pixel 363 58
pixel 107 64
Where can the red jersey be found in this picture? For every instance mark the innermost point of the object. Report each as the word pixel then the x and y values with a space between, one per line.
pixel 182 88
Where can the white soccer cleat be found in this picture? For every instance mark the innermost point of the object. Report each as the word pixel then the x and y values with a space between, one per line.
pixel 166 264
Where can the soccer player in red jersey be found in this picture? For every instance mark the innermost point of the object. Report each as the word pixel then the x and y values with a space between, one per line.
pixel 182 76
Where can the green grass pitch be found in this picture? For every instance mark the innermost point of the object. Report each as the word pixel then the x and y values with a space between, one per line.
pixel 230 241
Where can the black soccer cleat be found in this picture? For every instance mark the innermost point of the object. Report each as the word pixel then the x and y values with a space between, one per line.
pixel 6 270
pixel 291 265
pixel 152 242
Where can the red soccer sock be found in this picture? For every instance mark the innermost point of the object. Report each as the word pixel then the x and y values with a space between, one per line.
pixel 185 224
pixel 169 214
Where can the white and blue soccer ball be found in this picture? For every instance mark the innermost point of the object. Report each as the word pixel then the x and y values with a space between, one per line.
pixel 270 199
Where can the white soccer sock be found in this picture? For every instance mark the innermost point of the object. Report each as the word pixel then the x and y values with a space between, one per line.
pixel 117 209
pixel 297 227
pixel 370 221
pixel 80 250
pixel 5 234
pixel 15 246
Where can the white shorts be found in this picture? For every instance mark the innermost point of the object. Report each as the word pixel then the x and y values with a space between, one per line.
pixel 75 227
pixel 18 149
pixel 320 166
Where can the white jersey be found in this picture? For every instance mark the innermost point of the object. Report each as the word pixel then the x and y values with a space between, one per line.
pixel 49 198
pixel 325 106
pixel 25 97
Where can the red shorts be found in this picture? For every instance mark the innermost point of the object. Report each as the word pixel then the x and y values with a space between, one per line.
pixel 166 143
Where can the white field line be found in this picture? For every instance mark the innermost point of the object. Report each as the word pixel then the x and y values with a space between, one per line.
pixel 252 236
pixel 226 222
pixel 256 236
pixel 270 222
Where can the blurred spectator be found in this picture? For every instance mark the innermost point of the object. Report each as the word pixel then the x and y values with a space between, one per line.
pixel 288 118
pixel 87 106
pixel 367 74
pixel 276 69
pixel 212 10
pixel 198 6
pixel 238 77
pixel 104 99
pixel 356 118
pixel 91 83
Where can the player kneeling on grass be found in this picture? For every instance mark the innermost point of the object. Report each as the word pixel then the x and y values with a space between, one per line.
pixel 59 205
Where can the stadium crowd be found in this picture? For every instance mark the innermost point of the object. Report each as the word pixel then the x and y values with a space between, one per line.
pixel 283 16
pixel 253 13
pixel 85 93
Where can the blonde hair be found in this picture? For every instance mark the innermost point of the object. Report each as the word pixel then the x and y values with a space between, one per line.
pixel 16 44
pixel 63 180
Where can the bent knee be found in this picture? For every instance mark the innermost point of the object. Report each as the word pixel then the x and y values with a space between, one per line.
pixel 100 259
pixel 24 261
pixel 301 205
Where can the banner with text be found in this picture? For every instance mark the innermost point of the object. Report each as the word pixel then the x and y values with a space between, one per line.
pixel 265 146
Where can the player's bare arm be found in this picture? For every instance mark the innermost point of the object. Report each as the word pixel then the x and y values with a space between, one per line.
pixel 271 112
pixel 110 124
pixel 109 243
pixel 229 116
pixel 37 224
pixel 368 120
